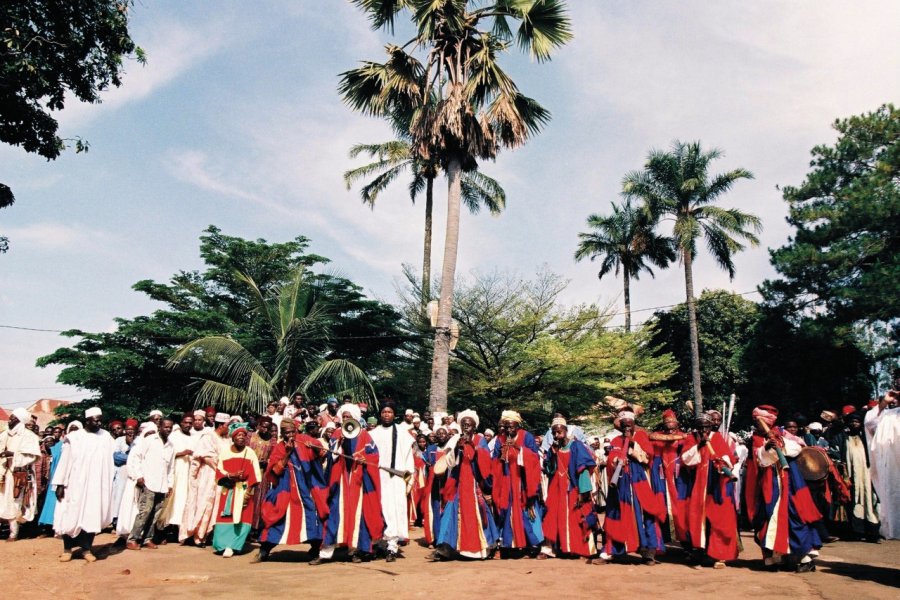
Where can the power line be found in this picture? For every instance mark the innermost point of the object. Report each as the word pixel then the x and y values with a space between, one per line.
pixel 371 337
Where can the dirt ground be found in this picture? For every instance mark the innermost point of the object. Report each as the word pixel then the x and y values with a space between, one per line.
pixel 30 569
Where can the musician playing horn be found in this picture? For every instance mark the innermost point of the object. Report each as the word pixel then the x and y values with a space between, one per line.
pixel 354 516
pixel 779 504
pixel 711 513
pixel 395 451
pixel 633 511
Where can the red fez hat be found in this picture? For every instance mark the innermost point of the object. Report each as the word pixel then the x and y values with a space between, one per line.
pixel 114 423
pixel 131 423
pixel 848 410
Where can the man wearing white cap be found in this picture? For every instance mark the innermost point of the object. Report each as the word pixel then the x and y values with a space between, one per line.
pixel 198 520
pixel 156 417
pixel 19 449
pixel 83 483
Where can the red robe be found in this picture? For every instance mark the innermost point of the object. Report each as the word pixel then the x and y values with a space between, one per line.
pixel 711 514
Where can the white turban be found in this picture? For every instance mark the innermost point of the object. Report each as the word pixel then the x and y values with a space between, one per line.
pixel 409 411
pixel 488 431
pixel 222 417
pixel 470 414
pixel 148 428
pixel 235 419
pixel 74 425
pixel 93 412
pixel 626 414
pixel 352 409
pixel 200 414
pixel 21 414
pixel 511 415
pixel 285 400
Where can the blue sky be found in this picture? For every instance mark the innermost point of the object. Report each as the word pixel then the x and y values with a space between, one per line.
pixel 235 121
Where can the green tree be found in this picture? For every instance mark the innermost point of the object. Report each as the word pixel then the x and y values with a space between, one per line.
pixel 6 199
pixel 394 157
pixel 625 240
pixel 676 185
pixel 51 49
pixel 463 106
pixel 520 348
pixel 126 369
pixel 297 316
pixel 843 262
pixel 726 324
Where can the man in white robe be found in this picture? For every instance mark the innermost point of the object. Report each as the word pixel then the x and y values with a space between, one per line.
pixel 882 425
pixel 19 449
pixel 183 444
pixel 83 484
pixel 152 466
pixel 198 518
pixel 396 451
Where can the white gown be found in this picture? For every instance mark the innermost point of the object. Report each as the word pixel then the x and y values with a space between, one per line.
pixel 393 489
pixel 86 470
pixel 883 433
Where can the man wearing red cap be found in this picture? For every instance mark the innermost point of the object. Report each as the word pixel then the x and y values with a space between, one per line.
pixel 672 491
pixel 779 504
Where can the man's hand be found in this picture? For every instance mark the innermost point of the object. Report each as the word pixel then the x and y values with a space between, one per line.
pixel 60 493
pixel 6 454
pixel 139 483
pixel 185 453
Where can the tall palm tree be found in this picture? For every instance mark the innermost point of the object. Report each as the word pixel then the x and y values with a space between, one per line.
pixel 463 106
pixel 232 378
pixel 676 185
pixel 625 240
pixel 394 157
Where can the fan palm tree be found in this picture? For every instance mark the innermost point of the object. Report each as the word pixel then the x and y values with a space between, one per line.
pixel 394 157
pixel 231 377
pixel 676 185
pixel 625 240
pixel 462 106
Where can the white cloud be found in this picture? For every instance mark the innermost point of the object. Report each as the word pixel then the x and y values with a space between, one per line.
pixel 50 236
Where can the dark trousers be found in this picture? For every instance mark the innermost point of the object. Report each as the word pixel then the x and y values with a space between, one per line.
pixel 83 540
pixel 149 505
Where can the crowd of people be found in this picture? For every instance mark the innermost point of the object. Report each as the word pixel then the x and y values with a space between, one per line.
pixel 331 477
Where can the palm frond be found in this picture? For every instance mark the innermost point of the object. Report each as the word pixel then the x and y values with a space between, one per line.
pixel 545 26
pixel 478 189
pixel 218 358
pixel 339 376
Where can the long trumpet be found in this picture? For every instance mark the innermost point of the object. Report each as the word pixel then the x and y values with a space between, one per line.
pixel 406 475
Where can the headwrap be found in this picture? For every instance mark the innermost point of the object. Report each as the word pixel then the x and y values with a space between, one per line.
pixel 488 431
pixel 626 414
pixel 222 417
pixel 768 414
pixel 323 408
pixel 235 427
pixel 815 426
pixel 417 420
pixel 209 410
pixel 511 415
pixel 352 409
pixel 703 420
pixel 332 400
pixel 199 414
pixel 94 411
pixel 471 414
pixel 455 427
pixel 235 419
pixel 828 416
pixel 855 416
pixel 155 413
pixel 330 426
pixel 128 422
pixel 669 415
pixel 285 400
pixel 408 411
pixel 114 423
pixel 558 421
pixel 21 414
pixel 76 424
pixel 848 410
pixel 372 421
pixel 148 427
pixel 714 413
pixel 872 404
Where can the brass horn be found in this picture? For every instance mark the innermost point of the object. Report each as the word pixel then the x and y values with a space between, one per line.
pixel 350 428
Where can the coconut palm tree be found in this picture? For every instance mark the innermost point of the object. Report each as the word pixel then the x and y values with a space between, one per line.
pixel 394 157
pixel 233 378
pixel 676 186
pixel 463 107
pixel 625 240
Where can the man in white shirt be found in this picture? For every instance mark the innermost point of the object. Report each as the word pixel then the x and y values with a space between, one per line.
pixel 151 465
pixel 19 449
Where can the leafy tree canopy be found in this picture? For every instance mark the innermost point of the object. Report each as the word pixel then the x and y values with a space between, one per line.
pixel 50 49
pixel 126 369
pixel 844 260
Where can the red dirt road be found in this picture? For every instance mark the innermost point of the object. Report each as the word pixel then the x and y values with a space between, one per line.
pixel 29 569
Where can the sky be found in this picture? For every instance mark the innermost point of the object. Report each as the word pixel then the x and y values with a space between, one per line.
pixel 235 121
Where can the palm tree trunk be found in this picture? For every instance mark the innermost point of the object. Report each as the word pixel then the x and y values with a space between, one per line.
pixel 441 362
pixel 627 278
pixel 692 325
pixel 426 261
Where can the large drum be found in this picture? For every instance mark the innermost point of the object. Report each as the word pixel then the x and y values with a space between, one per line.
pixel 813 463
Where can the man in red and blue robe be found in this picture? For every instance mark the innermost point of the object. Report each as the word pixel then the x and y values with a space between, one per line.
pixel 354 518
pixel 516 482
pixel 570 521
pixel 711 513
pixel 669 481
pixel 633 511
pixel 779 504
pixel 298 493
pixel 467 527
pixel 432 506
